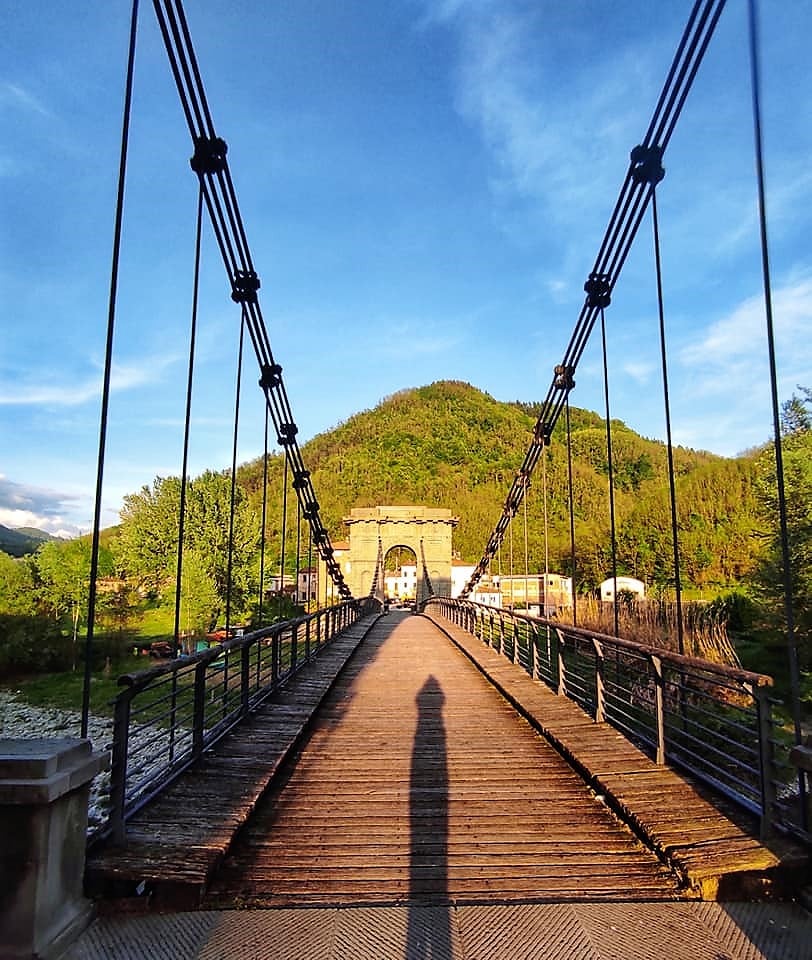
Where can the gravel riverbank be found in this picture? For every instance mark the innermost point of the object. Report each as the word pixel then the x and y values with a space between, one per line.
pixel 21 721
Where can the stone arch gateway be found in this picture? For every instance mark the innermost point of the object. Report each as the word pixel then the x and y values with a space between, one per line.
pixel 376 530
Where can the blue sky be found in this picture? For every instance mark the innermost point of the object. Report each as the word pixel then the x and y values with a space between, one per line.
pixel 424 185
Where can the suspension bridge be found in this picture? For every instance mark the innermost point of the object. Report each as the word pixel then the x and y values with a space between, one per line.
pixel 453 766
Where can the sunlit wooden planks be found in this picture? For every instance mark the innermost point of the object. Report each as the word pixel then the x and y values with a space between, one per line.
pixel 175 842
pixel 420 782
pixel 713 849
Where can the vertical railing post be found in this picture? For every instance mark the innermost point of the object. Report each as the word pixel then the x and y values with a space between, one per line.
pixel 294 647
pixel 276 655
pixel 118 765
pixel 516 625
pixel 659 706
pixel 502 634
pixel 533 649
pixel 173 715
pixel 245 677
pixel 761 695
pixel 600 682
pixel 258 679
pixel 308 622
pixel 199 718
pixel 562 670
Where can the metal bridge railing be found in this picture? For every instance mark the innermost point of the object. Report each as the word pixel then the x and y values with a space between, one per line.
pixel 167 716
pixel 711 720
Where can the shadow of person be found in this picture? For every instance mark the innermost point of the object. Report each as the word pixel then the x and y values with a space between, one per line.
pixel 429 932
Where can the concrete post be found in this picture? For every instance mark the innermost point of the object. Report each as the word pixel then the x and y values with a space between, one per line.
pixel 44 792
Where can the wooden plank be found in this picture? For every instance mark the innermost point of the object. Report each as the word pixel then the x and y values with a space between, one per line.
pixel 176 841
pixel 465 801
pixel 710 851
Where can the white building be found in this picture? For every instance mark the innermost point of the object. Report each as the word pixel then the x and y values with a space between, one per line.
pixel 307 589
pixel 460 575
pixel 624 585
pixel 402 585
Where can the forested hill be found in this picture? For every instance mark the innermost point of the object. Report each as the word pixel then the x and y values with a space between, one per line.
pixel 22 540
pixel 449 444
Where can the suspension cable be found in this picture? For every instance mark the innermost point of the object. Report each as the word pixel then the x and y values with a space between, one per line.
pixel 284 535
pixel 108 367
pixel 210 163
pixel 187 424
pixel 526 561
pixel 298 544
pixel 426 576
pixel 310 571
pixel 546 527
pixel 786 561
pixel 667 404
pixel 573 588
pixel 233 495
pixel 610 463
pixel 623 225
pixel 264 521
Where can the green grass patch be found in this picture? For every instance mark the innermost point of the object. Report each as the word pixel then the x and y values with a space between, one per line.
pixel 156 622
pixel 64 690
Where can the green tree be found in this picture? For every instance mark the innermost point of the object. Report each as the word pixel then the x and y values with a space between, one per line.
pixel 147 542
pixel 770 574
pixel 17 591
pixel 200 601
pixel 207 534
pixel 63 568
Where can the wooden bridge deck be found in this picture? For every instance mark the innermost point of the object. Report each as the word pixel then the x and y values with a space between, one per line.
pixel 417 782
pixel 421 783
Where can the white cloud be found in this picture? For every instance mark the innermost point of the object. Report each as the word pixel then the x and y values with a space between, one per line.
pixel 512 94
pixel 123 377
pixel 725 389
pixel 640 371
pixel 22 505
pixel 732 352
pixel 15 96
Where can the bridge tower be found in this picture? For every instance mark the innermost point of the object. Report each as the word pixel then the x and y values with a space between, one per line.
pixel 374 531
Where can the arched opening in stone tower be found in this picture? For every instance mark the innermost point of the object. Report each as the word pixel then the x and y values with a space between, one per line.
pixel 401 575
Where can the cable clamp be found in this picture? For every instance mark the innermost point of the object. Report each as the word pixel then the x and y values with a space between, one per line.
pixel 543 434
pixel 563 377
pixel 311 510
pixel 287 434
pixel 244 286
pixel 300 480
pixel 271 376
pixel 598 290
pixel 647 165
pixel 209 156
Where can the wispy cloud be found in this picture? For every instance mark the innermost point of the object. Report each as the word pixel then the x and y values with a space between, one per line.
pixel 123 377
pixel 731 352
pixel 14 96
pixel 511 93
pixel 639 371
pixel 420 342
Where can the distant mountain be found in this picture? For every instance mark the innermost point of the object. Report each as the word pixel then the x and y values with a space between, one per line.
pixel 20 541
